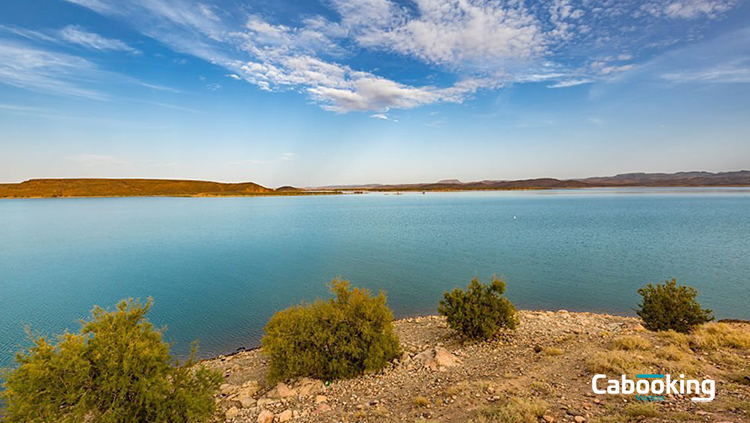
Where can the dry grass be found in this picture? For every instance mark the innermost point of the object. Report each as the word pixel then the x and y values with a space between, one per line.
pixel 638 411
pixel 615 362
pixel 516 410
pixel 675 338
pixel 552 351
pixel 540 388
pixel 631 343
pixel 672 353
pixel 676 360
pixel 712 336
pixel 420 401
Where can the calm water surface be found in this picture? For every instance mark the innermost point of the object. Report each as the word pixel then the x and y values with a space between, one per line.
pixel 218 268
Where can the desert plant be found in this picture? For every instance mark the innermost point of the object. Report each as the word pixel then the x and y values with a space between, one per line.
pixel 670 306
pixel 481 311
pixel 339 338
pixel 117 369
pixel 631 343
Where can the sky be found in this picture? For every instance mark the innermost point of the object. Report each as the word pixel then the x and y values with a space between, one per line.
pixel 321 92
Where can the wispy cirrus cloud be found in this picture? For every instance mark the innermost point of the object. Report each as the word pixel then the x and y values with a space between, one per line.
pixel 77 35
pixel 47 71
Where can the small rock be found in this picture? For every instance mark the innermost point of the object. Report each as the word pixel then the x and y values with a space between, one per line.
pixel 547 418
pixel 226 389
pixel 246 401
pixel 284 391
pixel 232 413
pixel 285 416
pixel 309 386
pixel 579 419
pixel 323 407
pixel 265 417
pixel 320 398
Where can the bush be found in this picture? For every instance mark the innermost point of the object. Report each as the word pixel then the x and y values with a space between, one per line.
pixel 481 311
pixel 671 307
pixel 334 339
pixel 117 369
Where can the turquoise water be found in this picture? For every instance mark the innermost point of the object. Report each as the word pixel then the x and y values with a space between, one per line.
pixel 218 268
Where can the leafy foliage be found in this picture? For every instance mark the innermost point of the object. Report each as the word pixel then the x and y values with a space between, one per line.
pixel 481 311
pixel 117 369
pixel 671 306
pixel 338 338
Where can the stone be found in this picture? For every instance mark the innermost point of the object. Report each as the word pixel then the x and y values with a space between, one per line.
pixel 284 391
pixel 323 407
pixel 320 398
pixel 232 413
pixel 444 358
pixel 547 418
pixel 226 389
pixel 249 388
pixel 309 386
pixel 579 419
pixel 437 358
pixel 246 401
pixel 265 416
pixel 285 416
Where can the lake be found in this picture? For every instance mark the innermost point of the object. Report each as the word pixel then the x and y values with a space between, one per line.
pixel 218 268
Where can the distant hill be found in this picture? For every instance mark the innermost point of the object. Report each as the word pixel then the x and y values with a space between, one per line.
pixel 680 179
pixel 288 188
pixel 35 188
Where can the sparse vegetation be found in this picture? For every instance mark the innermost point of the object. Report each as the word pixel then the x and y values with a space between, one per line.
pixel 117 369
pixel 552 351
pixel 640 410
pixel 420 401
pixel 481 311
pixel 615 362
pixel 713 336
pixel 631 343
pixel 515 410
pixel 339 338
pixel 670 306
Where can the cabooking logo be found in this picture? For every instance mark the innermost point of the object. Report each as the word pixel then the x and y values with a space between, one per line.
pixel 654 387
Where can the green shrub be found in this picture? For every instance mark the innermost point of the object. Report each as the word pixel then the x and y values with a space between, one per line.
pixel 117 369
pixel 339 338
pixel 481 311
pixel 671 307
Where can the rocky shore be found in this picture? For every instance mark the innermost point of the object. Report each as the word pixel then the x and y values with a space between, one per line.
pixel 541 372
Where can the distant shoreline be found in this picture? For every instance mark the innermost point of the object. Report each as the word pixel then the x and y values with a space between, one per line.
pixel 106 188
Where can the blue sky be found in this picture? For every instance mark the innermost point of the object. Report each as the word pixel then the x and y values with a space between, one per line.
pixel 359 91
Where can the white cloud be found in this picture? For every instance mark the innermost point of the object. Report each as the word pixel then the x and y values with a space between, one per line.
pixel 570 83
pixel 380 116
pixel 481 44
pixel 77 35
pixel 692 9
pixel 46 71
pixel 457 33
pixel 722 74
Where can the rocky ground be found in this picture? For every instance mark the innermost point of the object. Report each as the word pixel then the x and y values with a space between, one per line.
pixel 539 373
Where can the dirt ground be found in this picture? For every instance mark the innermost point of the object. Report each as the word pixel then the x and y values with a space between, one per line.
pixel 539 373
